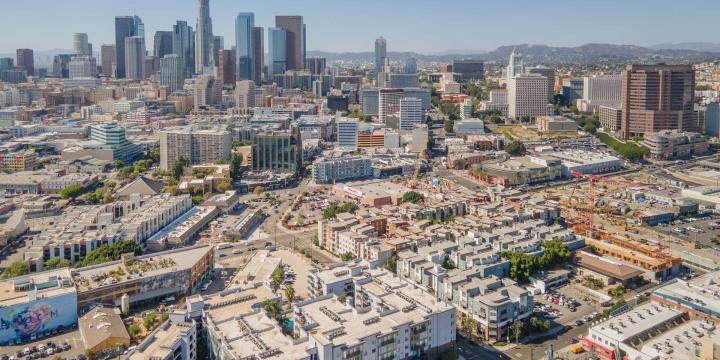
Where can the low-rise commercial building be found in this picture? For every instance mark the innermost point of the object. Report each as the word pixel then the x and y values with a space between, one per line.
pixel 556 124
pixel 674 144
pixel 102 328
pixel 36 305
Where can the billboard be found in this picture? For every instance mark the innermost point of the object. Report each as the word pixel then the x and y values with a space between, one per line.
pixel 31 320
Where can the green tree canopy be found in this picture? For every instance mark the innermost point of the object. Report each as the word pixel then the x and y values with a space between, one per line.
pixel 412 197
pixel 109 252
pixel 515 148
pixel 15 269
pixel 56 263
pixel 72 192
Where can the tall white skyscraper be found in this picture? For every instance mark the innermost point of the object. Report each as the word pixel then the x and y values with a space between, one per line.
pixel 134 57
pixel 80 44
pixel 172 71
pixel 380 54
pixel 515 65
pixel 527 96
pixel 203 37
pixel 411 113
pixel 600 90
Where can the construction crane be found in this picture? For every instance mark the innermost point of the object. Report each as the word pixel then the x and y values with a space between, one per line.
pixel 416 174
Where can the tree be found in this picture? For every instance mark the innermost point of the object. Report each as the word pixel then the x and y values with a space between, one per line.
pixel 118 164
pixel 56 263
pixel 108 198
pixel 258 190
pixel 448 264
pixel 392 263
pixel 225 185
pixel 150 319
pixel 334 209
pixel 134 330
pixel 271 306
pixel 449 126
pixel 15 269
pixel 515 148
pixel 347 256
pixel 290 295
pixel 412 197
pixel 522 265
pixel 178 168
pixel 516 329
pixel 235 161
pixel 277 276
pixel 72 192
pixel 109 252
pixel 342 297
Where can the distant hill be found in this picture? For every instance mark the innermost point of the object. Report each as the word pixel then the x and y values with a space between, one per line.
pixel 544 54
pixel 697 46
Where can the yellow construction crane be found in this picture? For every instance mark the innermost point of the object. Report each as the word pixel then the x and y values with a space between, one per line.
pixel 418 164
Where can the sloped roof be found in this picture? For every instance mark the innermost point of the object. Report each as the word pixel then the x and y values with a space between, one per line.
pixel 143 186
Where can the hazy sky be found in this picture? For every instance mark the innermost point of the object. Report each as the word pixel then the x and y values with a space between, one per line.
pixel 408 25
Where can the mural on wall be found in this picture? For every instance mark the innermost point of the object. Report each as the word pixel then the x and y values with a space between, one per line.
pixel 25 320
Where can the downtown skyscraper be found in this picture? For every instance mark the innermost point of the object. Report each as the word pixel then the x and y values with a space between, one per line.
pixel 163 43
pixel 125 27
pixel 277 52
pixel 258 55
pixel 380 54
pixel 183 45
pixel 244 24
pixel 295 43
pixel 203 37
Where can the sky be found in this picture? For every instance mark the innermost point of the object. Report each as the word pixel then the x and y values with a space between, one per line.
pixel 422 26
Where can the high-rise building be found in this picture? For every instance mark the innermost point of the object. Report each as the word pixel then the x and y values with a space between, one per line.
pixel 61 65
pixel 134 57
pixel 24 59
pixel 139 26
pixel 217 45
pixel 657 97
pixel 194 144
pixel 171 72
pixel 279 151
pixel 277 52
pixel 244 24
pixel 411 65
pixel 411 113
pixel 468 70
pixel 515 65
pixel 207 91
pixel 295 43
pixel 151 67
pixel 572 90
pixel 107 60
pixel 184 46
pixel 258 54
pixel 527 96
pixel 226 66
pixel 82 66
pixel 404 80
pixel 80 44
pixel 600 90
pixel 380 54
pixel 112 136
pixel 203 36
pixel 7 63
pixel 389 102
pixel 163 43
pixel 316 65
pixel 347 133
pixel 549 73
pixel 244 95
pixel 124 28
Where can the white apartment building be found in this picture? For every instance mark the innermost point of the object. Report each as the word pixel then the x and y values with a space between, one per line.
pixel 198 145
pixel 527 96
pixel 347 134
pixel 411 113
pixel 466 109
pixel 600 90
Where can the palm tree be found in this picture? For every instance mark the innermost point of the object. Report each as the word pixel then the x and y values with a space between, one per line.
pixel 290 295
pixel 516 328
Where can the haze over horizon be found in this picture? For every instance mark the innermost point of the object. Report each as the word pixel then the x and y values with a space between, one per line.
pixel 419 26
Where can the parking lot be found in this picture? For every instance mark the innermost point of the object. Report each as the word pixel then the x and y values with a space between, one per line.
pixel 72 338
pixel 559 309
pixel 701 230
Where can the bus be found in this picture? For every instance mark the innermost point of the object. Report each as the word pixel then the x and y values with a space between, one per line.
pixel 223 245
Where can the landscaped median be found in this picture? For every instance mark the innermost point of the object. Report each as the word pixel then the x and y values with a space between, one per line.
pixel 628 150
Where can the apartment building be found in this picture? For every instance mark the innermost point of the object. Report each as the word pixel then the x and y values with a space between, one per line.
pixel 527 96
pixel 674 144
pixel 326 171
pixel 196 144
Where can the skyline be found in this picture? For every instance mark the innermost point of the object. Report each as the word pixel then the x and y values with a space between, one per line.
pixel 421 29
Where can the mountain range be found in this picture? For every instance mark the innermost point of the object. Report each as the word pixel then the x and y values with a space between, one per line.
pixel 537 54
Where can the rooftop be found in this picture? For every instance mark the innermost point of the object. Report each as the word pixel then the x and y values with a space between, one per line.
pixel 47 284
